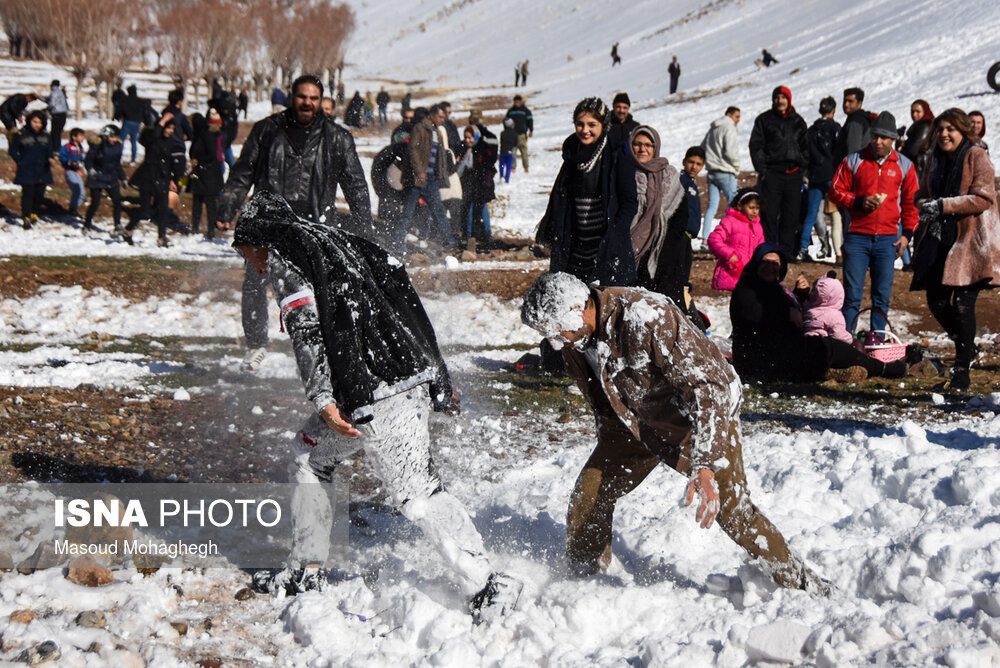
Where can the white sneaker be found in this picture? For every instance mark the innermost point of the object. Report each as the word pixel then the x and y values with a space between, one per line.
pixel 253 359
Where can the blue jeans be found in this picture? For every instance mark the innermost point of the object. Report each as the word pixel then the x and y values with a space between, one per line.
pixel 486 220
pixel 432 196
pixel 130 129
pixel 725 183
pixel 815 198
pixel 506 164
pixel 383 116
pixel 227 153
pixel 873 254
pixel 75 183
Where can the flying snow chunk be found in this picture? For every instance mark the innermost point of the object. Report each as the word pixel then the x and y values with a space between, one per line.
pixel 451 262
pixel 777 641
pixel 937 398
pixel 257 410
pixel 182 395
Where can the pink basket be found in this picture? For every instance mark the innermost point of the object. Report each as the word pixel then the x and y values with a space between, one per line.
pixel 880 344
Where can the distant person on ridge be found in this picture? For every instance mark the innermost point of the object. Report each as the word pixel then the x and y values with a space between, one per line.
pixel 674 69
pixel 615 58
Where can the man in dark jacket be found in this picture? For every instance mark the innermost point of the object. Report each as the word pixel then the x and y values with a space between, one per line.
pixel 383 100
pixel 525 126
pixel 427 174
pixel 12 109
pixel 370 365
pixel 156 178
pixel 301 155
pixel 355 111
pixel 182 127
pixel 661 393
pixel 854 135
pixel 674 69
pixel 821 144
pixel 777 150
pixel 622 122
pixel 105 174
pixel 132 112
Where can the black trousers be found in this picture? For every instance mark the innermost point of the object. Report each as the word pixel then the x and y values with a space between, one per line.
pixel 32 195
pixel 58 123
pixel 955 309
pixel 781 215
pixel 210 203
pixel 153 205
pixel 115 194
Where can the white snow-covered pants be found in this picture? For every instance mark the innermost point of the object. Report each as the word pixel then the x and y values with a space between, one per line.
pixel 397 446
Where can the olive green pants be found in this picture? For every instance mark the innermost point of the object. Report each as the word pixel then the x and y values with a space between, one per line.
pixel 621 462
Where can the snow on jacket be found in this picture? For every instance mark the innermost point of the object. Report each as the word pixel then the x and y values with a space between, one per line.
pixel 722 153
pixel 660 375
pixel 821 312
pixel 268 162
pixel 31 151
pixel 975 255
pixel 734 235
pixel 860 175
pixel 104 164
pixel 777 142
pixel 821 144
pixel 358 328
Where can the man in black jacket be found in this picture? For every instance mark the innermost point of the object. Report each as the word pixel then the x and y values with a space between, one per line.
pixel 369 360
pixel 525 126
pixel 622 122
pixel 854 135
pixel 301 155
pixel 821 143
pixel 156 177
pixel 132 112
pixel 777 151
pixel 12 109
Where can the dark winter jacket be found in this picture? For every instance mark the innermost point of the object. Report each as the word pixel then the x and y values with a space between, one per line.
pixel 132 108
pixel 777 142
pixel 821 144
pixel 693 204
pixel 382 99
pixel 369 331
pixel 355 110
pixel 767 343
pixel 268 162
pixel 31 151
pixel 656 372
pixel 619 133
pixel 915 147
pixel 508 140
pixel 182 127
pixel 854 135
pixel 478 182
pixel 12 109
pixel 207 176
pixel 104 165
pixel 523 122
pixel 225 104
pixel 161 164
pixel 278 97
pixel 615 261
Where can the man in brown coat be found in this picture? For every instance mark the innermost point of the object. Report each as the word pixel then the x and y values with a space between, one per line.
pixel 661 392
pixel 429 168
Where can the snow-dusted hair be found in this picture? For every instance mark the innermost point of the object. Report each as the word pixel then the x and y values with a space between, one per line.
pixel 555 303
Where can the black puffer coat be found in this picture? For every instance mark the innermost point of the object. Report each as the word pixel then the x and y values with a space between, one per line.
pixel 268 162
pixel 104 164
pixel 777 143
pixel 821 144
pixel 161 164
pixel 207 176
pixel 374 329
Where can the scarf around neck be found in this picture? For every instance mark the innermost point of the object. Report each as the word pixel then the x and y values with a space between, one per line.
pixel 662 185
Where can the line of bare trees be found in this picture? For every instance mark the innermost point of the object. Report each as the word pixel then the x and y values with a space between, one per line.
pixel 249 43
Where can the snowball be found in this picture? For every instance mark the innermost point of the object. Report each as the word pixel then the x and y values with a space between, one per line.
pixel 451 262
pixel 182 395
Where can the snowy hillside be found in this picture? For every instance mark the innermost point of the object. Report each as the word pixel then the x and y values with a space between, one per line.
pixel 896 51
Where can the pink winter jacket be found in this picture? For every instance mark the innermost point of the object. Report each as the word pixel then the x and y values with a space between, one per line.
pixel 734 235
pixel 821 312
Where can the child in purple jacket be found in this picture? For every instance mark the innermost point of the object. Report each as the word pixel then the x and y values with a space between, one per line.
pixel 735 238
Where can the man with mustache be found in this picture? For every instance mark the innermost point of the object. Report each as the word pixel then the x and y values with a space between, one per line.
pixel 301 155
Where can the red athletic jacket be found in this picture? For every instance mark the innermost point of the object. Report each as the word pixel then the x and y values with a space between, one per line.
pixel 859 175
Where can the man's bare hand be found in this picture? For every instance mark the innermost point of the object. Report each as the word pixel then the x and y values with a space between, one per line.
pixel 255 255
pixel 870 203
pixel 901 243
pixel 801 282
pixel 222 224
pixel 703 483
pixel 332 417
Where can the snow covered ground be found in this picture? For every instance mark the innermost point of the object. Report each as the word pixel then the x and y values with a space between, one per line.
pixel 897 508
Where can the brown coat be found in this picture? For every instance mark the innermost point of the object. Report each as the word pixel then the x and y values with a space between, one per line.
pixel 976 253
pixel 421 139
pixel 668 384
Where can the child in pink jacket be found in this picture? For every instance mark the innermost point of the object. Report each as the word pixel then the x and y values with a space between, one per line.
pixel 734 239
pixel 821 312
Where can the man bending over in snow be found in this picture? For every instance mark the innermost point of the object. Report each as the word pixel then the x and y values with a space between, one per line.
pixel 370 364
pixel 661 393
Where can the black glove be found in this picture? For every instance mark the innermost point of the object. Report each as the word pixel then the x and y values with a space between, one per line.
pixel 931 208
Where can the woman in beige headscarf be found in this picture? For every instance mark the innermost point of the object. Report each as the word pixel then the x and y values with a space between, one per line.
pixel 659 231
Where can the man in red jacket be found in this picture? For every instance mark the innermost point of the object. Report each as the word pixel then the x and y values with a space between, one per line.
pixel 877 185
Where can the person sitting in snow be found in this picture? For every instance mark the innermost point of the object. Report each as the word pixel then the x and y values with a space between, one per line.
pixel 661 393
pixel 822 313
pixel 370 363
